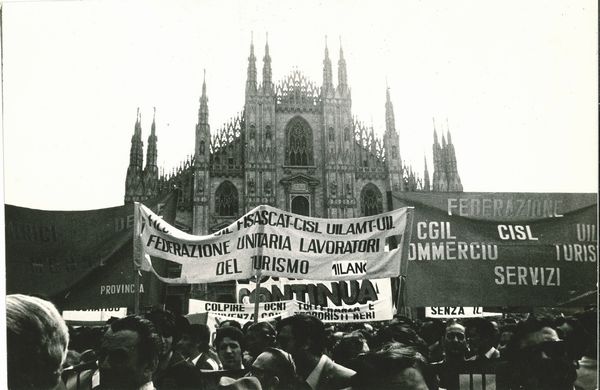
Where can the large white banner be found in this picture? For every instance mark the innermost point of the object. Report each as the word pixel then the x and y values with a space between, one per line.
pixel 274 242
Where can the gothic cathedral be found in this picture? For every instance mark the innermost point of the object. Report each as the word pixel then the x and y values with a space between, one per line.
pixel 295 146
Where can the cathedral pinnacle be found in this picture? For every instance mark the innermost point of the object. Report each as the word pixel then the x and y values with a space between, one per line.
pixel 267 74
pixel 203 110
pixel 251 80
pixel 327 73
pixel 342 74
pixel 390 121
pixel 153 128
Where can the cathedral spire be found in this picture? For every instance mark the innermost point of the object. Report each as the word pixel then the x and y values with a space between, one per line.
pixel 251 80
pixel 267 77
pixel 327 73
pixel 390 122
pixel 426 184
pixel 151 170
pixel 133 181
pixel 342 74
pixel 203 110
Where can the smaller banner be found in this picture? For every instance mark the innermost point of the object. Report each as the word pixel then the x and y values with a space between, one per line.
pixel 458 312
pixel 240 311
pixel 375 311
pixel 94 315
pixel 273 242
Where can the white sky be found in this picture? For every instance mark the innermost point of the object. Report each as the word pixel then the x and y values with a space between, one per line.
pixel 517 81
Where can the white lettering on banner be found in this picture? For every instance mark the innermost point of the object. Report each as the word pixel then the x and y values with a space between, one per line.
pixel 527 276
pixel 112 289
pixel 493 207
pixel 516 232
pixel 576 252
pixel 452 250
pixel 278 243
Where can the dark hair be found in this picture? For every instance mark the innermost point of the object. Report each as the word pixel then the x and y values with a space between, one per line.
pixel 148 342
pixel 264 328
pixel 200 334
pixel 483 326
pixel 348 348
pixel 232 323
pixel 376 367
pixel 525 328
pixel 164 322
pixel 231 332
pixel 307 330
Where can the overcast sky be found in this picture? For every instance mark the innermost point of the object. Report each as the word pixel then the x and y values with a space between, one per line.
pixel 515 80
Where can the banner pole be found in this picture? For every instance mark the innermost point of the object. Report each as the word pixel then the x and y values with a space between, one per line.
pixel 404 265
pixel 256 295
pixel 136 256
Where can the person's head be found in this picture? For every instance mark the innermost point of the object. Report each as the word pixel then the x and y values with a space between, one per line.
pixel 229 343
pixel 128 354
pixel 506 334
pixel 574 334
pixel 259 336
pixel 301 335
pixel 394 366
pixel 481 335
pixel 164 324
pixel 401 332
pixel 539 358
pixel 275 369
pixel 232 323
pixel 36 343
pixel 455 341
pixel 348 348
pixel 194 340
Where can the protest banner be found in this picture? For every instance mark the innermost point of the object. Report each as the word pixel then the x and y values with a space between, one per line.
pixel 240 311
pixel 506 249
pixel 374 311
pixel 94 315
pixel 78 259
pixel 458 312
pixel 329 296
pixel 274 242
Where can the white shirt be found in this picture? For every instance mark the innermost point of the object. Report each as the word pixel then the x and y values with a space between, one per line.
pixel 313 378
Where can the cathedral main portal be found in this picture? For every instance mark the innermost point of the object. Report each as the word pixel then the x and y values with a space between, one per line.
pixel 301 205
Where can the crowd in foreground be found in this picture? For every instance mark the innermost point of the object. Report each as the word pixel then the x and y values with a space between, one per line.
pixel 158 350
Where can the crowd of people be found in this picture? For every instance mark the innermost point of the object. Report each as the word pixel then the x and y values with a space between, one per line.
pixel 157 350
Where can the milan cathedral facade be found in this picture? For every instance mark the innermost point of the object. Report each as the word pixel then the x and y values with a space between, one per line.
pixel 295 146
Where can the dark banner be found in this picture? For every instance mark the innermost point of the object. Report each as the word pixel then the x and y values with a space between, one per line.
pixel 500 249
pixel 79 259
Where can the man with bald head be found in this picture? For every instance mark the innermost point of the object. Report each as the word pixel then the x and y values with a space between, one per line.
pixel 275 369
pixel 455 350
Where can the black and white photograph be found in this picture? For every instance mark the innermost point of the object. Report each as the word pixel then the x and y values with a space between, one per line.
pixel 312 195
